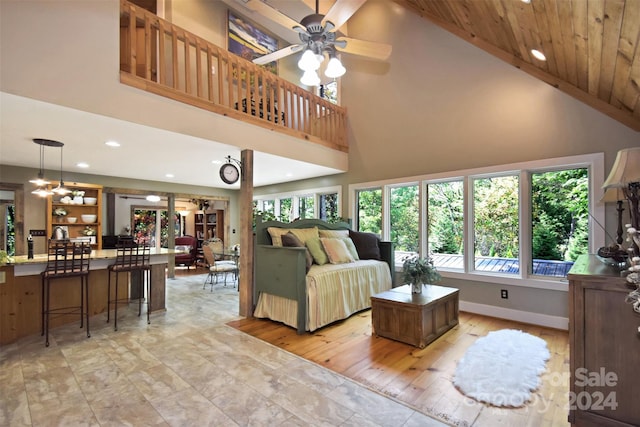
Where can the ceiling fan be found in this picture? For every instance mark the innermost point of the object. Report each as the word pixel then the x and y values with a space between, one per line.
pixel 319 36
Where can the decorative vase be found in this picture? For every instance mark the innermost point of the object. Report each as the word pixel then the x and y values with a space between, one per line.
pixel 78 200
pixel 416 288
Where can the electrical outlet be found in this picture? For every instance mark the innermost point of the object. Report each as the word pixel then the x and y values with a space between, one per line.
pixel 504 294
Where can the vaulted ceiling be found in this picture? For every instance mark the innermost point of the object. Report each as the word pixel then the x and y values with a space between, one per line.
pixel 591 46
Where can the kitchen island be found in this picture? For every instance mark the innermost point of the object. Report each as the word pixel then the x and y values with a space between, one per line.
pixel 21 291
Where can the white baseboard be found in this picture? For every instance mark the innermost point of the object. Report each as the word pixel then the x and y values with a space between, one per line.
pixel 546 320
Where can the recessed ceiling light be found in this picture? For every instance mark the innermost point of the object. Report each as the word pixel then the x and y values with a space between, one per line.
pixel 153 198
pixel 216 162
pixel 526 1
pixel 169 175
pixel 112 144
pixel 539 55
pixel 82 165
pixel 288 174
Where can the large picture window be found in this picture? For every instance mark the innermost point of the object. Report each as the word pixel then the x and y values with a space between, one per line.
pixel 524 222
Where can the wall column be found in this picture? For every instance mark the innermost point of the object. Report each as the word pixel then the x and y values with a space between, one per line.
pixel 246 285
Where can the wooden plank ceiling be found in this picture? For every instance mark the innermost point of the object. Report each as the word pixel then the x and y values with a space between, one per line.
pixel 591 46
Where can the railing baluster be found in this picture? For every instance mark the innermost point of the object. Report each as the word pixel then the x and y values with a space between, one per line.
pixel 187 64
pixel 162 60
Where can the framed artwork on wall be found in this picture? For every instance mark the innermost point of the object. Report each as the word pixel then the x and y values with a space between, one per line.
pixel 247 41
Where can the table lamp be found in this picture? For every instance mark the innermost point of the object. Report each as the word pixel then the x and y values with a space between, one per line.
pixel 625 175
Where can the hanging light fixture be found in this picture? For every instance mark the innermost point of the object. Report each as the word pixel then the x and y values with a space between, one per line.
pixel 40 181
pixel 61 190
pixel 311 61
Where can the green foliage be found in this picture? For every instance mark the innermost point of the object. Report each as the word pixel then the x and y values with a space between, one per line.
pixel 418 270
pixel 329 207
pixel 286 209
pixel 370 210
pixel 496 216
pixel 305 209
pixel 404 212
pixel 266 216
pixel 445 217
pixel 560 214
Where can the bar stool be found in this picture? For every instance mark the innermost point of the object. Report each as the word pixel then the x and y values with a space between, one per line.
pixel 65 259
pixel 130 257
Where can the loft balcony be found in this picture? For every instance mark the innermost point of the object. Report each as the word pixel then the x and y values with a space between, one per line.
pixel 161 58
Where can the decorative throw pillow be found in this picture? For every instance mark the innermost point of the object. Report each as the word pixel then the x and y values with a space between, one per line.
pixel 302 233
pixel 336 234
pixel 367 244
pixel 291 240
pixel 351 248
pixel 317 251
pixel 336 250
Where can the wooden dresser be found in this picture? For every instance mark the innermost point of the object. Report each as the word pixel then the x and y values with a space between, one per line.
pixel 605 347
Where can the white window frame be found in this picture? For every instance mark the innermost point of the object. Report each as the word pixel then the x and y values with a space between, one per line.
pixel 296 195
pixel 594 162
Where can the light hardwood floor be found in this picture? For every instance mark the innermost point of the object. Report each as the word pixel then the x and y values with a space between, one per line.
pixel 421 378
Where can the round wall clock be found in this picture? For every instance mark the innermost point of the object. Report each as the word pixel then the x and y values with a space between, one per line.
pixel 229 173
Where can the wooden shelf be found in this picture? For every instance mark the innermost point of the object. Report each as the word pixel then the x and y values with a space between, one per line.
pixel 75 230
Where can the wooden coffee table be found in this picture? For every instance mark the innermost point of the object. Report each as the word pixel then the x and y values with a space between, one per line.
pixel 416 319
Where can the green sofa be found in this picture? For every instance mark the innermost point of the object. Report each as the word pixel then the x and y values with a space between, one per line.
pixel 281 271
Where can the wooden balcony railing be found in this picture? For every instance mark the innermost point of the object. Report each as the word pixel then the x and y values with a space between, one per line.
pixel 159 57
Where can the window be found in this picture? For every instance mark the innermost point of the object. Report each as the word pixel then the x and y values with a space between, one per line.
pixel 305 206
pixel 369 210
pixel 286 210
pixel 559 219
pixel 329 207
pixel 521 224
pixel 147 230
pixel 404 211
pixel 495 224
pixel 445 223
pixel 323 203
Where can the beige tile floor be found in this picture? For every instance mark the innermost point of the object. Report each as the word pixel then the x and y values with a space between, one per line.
pixel 187 368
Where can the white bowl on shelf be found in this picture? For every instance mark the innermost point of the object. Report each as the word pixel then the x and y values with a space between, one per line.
pixel 89 218
pixel 72 219
pixel 90 200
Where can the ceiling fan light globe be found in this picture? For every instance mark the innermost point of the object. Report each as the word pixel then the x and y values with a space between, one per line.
pixel 335 69
pixel 310 78
pixel 308 61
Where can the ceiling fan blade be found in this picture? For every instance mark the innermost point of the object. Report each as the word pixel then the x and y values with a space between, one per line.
pixel 273 14
pixel 341 11
pixel 380 51
pixel 273 56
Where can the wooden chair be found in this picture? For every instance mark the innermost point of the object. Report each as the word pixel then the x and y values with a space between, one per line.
pixel 66 259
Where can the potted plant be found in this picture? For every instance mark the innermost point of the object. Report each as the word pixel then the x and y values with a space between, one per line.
pixel 417 271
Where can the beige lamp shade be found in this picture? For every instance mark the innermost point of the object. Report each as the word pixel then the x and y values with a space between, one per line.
pixel 613 194
pixel 626 169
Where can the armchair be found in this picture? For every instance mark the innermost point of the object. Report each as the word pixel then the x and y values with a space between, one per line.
pixel 190 244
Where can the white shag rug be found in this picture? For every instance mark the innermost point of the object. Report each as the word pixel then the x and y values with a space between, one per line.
pixel 502 368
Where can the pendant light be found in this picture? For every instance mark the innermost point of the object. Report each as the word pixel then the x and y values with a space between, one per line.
pixel 61 190
pixel 40 181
